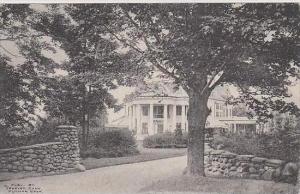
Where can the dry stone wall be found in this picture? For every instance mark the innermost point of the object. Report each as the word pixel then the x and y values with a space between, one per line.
pixel 226 164
pixel 49 158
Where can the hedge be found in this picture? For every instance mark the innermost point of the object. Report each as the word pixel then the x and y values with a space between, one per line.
pixel 166 140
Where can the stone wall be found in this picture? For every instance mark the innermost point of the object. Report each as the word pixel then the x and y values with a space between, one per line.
pixel 49 158
pixel 226 164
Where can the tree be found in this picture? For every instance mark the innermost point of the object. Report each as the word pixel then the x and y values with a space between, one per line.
pixel 74 103
pixel 21 80
pixel 95 63
pixel 200 46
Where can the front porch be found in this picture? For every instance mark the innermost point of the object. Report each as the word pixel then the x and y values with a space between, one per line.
pixel 149 119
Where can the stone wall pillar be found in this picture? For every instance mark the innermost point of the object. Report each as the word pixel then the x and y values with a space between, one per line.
pixel 68 135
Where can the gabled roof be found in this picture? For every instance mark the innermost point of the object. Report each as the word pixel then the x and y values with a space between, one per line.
pixel 168 89
pixel 164 89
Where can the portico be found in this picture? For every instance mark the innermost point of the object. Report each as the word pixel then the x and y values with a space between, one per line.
pixel 150 115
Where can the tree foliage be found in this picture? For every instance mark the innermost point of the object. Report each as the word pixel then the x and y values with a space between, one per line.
pixel 251 46
pixel 70 100
pixel 22 72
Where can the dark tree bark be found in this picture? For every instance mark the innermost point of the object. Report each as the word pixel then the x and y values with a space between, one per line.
pixel 197 115
pixel 84 121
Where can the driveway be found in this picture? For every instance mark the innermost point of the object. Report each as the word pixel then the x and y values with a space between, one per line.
pixel 128 178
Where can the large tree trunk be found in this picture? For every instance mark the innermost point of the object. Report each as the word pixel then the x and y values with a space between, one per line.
pixel 197 115
pixel 83 124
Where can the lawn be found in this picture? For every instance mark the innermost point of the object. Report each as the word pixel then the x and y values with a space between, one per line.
pixel 209 185
pixel 145 155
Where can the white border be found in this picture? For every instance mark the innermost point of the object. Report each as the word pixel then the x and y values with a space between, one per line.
pixel 144 1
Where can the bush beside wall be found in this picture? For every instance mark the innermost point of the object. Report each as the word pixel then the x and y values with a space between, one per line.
pixel 268 146
pixel 166 140
pixel 13 138
pixel 116 143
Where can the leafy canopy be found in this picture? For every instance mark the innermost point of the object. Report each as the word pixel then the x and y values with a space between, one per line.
pixel 251 46
pixel 22 72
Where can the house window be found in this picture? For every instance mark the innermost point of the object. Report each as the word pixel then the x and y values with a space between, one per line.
pixel 169 111
pixel 178 110
pixel 145 110
pixel 178 125
pixel 144 128
pixel 158 112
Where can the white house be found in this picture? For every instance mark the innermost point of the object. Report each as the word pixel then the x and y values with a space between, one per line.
pixel 163 109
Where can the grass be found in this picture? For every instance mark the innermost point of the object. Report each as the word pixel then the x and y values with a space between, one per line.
pixel 145 155
pixel 209 185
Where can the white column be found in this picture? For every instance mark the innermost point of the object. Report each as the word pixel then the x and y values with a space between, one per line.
pixel 234 127
pixel 151 130
pixel 165 117
pixel 130 117
pixel 133 116
pixel 186 120
pixel 138 117
pixel 182 116
pixel 174 117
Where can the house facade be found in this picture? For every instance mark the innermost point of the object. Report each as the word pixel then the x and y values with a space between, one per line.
pixel 157 112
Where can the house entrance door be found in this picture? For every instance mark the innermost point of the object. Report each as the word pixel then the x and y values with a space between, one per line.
pixel 158 126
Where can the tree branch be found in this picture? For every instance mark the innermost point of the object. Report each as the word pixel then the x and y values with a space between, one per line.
pixel 123 41
pixel 154 62
pixel 130 18
pixel 207 86
pixel 157 64
pixel 9 51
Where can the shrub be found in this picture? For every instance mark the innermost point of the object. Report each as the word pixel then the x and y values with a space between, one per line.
pixel 178 136
pixel 166 140
pixel 45 132
pixel 238 144
pixel 283 146
pixel 115 143
pixel 161 140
